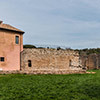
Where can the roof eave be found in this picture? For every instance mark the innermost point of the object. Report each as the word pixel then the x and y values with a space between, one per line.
pixel 22 32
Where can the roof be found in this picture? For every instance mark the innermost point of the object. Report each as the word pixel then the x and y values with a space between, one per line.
pixel 9 27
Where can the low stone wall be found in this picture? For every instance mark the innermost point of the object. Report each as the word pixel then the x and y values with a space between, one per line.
pixel 45 72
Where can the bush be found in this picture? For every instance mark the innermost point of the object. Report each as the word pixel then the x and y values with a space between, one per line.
pixel 41 48
pixel 59 48
pixel 29 46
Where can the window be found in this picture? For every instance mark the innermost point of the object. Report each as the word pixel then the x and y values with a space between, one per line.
pixel 17 40
pixel 29 63
pixel 2 59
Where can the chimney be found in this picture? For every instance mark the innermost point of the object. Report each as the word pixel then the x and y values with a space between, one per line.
pixel 1 22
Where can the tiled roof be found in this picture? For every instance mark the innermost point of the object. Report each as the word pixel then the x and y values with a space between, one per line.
pixel 9 27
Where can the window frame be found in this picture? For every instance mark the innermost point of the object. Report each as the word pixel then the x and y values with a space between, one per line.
pixel 17 39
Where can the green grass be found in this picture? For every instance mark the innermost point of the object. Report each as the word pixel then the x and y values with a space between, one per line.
pixel 50 87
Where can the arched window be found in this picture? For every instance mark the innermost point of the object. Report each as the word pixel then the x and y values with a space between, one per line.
pixel 29 63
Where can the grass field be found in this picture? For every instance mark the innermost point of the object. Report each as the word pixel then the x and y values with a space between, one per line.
pixel 50 87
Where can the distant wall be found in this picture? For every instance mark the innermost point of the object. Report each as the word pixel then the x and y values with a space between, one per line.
pixel 49 59
pixel 91 61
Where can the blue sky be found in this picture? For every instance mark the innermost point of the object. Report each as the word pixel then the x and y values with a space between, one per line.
pixel 69 23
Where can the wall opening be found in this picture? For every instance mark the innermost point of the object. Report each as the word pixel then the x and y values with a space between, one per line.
pixel 2 59
pixel 29 63
pixel 70 63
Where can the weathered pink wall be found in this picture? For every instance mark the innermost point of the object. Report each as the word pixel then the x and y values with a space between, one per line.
pixel 10 50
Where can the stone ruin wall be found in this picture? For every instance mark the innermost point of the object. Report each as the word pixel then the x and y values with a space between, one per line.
pixel 50 61
pixel 91 61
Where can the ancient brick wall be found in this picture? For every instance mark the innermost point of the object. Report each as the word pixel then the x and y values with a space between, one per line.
pixel 49 60
pixel 91 61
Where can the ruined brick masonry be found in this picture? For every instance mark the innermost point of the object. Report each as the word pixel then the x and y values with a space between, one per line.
pixel 91 61
pixel 50 61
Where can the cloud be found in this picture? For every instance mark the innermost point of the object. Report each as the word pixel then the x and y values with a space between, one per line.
pixel 72 23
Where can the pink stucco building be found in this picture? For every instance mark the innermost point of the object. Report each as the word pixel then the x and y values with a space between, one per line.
pixel 11 46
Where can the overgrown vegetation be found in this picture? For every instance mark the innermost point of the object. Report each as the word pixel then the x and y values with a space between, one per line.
pixel 50 87
pixel 89 51
pixel 33 46
pixel 81 51
pixel 29 46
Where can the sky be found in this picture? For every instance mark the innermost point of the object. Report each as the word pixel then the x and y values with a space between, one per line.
pixel 67 23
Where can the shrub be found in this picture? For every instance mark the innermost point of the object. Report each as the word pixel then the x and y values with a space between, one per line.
pixel 29 46
pixel 59 48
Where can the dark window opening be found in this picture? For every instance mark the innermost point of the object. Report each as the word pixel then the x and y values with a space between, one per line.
pixel 2 59
pixel 29 63
pixel 70 63
pixel 17 40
